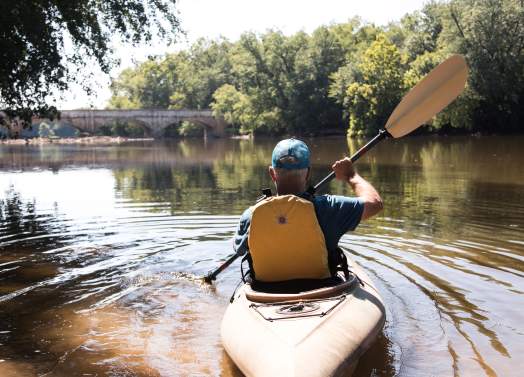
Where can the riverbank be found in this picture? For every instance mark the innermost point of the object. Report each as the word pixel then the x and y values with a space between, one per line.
pixel 91 140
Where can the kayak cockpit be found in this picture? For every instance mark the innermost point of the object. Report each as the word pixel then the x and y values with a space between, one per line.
pixel 300 290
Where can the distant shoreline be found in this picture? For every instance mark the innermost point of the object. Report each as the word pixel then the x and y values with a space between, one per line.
pixel 98 140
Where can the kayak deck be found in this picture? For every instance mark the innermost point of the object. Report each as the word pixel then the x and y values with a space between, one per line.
pixel 315 333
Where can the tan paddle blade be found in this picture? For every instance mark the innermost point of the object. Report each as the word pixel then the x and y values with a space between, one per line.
pixel 431 95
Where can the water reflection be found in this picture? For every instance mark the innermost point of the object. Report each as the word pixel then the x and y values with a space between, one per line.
pixel 101 249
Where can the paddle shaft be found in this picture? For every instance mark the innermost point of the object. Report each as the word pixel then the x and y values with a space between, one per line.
pixel 213 275
pixel 382 134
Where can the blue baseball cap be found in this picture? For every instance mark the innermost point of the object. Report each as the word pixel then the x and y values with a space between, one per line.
pixel 290 154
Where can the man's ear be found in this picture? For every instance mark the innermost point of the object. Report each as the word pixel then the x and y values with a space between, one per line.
pixel 308 175
pixel 272 173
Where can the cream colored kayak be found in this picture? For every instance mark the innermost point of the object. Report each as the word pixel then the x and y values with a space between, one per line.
pixel 311 334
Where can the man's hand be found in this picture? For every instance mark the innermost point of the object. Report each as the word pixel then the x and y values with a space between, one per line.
pixel 372 202
pixel 343 169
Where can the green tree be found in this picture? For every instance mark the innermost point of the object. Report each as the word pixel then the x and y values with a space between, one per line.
pixel 422 30
pixel 230 104
pixel 375 89
pixel 34 35
pixel 239 110
pixel 491 35
pixel 283 82
pixel 186 79
pixel 190 129
pixel 149 85
pixel 314 109
pixel 207 68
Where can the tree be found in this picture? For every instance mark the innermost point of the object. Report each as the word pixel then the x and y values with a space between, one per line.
pixel 284 81
pixel 376 86
pixel 422 30
pixel 491 35
pixel 207 69
pixel 149 85
pixel 186 79
pixel 35 35
pixel 314 109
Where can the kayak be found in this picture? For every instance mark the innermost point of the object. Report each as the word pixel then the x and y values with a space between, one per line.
pixel 312 333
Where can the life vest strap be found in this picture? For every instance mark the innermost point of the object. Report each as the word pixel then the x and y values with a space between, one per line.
pixel 338 262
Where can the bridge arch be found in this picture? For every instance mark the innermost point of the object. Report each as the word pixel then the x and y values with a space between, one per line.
pixel 135 123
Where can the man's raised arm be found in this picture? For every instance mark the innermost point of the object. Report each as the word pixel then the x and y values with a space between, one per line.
pixel 344 171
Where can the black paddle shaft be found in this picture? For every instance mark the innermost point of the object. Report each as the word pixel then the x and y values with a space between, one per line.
pixel 382 134
pixel 212 275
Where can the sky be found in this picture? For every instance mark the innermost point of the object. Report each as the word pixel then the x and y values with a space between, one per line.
pixel 230 18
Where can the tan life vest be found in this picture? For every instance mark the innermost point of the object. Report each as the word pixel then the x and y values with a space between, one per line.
pixel 286 241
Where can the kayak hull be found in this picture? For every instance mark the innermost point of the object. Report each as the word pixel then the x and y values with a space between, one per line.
pixel 327 339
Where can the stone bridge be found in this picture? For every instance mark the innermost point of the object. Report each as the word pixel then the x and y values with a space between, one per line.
pixel 153 121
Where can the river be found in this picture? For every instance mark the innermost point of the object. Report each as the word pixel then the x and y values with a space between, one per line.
pixel 102 247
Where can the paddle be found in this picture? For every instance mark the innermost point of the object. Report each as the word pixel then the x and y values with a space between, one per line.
pixel 431 95
pixel 212 275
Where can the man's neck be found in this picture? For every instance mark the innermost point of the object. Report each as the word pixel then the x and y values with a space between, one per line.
pixel 290 190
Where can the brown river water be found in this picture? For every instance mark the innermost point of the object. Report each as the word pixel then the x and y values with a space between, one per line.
pixel 102 247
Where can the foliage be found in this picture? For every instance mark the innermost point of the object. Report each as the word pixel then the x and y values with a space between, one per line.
pixel 53 130
pixel 147 86
pixel 345 76
pixel 43 129
pixel 422 30
pixel 122 128
pixel 190 129
pixel 376 87
pixel 491 35
pixel 234 107
pixel 44 44
pixel 178 81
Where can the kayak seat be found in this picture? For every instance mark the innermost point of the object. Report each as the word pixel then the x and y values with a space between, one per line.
pixel 299 289
pixel 295 285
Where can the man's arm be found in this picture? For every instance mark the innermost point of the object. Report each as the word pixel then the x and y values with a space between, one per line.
pixel 344 171
pixel 240 241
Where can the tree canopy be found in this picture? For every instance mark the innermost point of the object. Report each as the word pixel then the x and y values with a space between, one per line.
pixel 346 76
pixel 45 44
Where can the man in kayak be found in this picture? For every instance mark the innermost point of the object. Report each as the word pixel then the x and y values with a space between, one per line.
pixel 294 235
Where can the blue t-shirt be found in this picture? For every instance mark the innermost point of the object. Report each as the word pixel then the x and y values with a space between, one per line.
pixel 336 215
